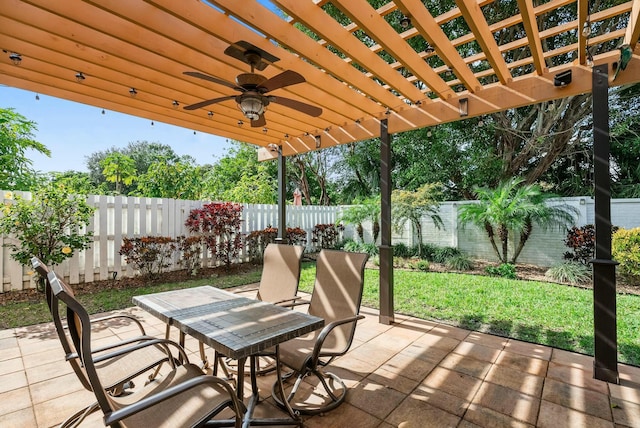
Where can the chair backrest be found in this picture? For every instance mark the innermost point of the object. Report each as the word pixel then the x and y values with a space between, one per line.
pixel 79 325
pixel 54 307
pixel 337 293
pixel 280 272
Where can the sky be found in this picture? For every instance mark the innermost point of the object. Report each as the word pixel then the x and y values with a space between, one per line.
pixel 73 131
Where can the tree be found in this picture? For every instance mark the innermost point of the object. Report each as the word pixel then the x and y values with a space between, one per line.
pixel 119 169
pixel 369 209
pixel 238 174
pixel 143 154
pixel 49 226
pixel 171 179
pixel 411 206
pixel 16 138
pixel 76 182
pixel 625 142
pixel 511 209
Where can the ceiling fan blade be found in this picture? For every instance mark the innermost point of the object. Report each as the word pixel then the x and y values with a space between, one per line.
pixel 213 79
pixel 260 121
pixel 208 102
pixel 286 78
pixel 297 105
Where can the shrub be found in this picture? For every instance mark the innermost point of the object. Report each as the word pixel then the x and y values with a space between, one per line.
pixel 423 265
pixel 401 250
pixel 459 262
pixel 149 254
pixel 570 272
pixel 218 225
pixel 326 235
pixel 505 270
pixel 428 251
pixel 625 247
pixel 257 241
pixel 191 249
pixel 48 226
pixel 442 254
pixel 582 241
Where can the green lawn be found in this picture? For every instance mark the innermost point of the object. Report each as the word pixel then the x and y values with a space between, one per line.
pixel 540 312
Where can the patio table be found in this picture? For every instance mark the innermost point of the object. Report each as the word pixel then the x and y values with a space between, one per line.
pixel 234 326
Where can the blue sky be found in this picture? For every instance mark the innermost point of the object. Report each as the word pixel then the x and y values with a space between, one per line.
pixel 73 131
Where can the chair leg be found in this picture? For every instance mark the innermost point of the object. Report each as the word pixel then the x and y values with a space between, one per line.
pixel 334 399
pixel 74 420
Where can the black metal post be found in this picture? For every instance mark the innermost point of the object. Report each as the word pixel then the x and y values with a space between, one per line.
pixel 605 366
pixel 386 249
pixel 282 198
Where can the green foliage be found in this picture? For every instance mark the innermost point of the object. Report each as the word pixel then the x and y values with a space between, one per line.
pixel 442 254
pixel 359 247
pixel 16 138
pixel 504 270
pixel 49 226
pixel 171 179
pixel 625 247
pixel 459 262
pixel 412 206
pixel 402 250
pixel 326 235
pixel 239 177
pixel 151 255
pixel 78 183
pixel 569 272
pixel 218 225
pixel 119 169
pixel 512 208
pixel 422 265
pixel 369 209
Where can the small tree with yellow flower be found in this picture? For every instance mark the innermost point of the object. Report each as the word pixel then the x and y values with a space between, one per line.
pixel 50 226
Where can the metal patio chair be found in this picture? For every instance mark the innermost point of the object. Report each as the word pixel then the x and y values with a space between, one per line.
pixel 117 369
pixel 336 297
pixel 183 397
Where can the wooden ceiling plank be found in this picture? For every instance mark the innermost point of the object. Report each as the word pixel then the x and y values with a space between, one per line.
pixel 286 35
pixel 32 81
pixel 324 26
pixel 343 102
pixel 583 16
pixel 361 12
pixel 633 28
pixel 431 31
pixel 146 41
pixel 151 74
pixel 533 35
pixel 475 20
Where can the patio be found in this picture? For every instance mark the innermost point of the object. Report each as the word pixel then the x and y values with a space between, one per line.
pixel 414 373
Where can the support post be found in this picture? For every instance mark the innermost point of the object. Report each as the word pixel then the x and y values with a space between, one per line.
pixel 386 249
pixel 282 198
pixel 605 366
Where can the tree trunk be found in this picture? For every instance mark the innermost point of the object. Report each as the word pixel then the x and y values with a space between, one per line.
pixel 503 234
pixel 376 230
pixel 491 234
pixel 524 237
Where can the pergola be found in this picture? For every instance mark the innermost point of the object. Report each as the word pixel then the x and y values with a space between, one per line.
pixel 362 69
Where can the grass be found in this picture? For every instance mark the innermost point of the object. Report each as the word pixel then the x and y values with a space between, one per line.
pixel 20 314
pixel 540 312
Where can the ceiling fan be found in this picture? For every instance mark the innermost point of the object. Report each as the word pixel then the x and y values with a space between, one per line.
pixel 253 88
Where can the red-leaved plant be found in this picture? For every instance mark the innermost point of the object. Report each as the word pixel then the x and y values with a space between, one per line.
pixel 218 225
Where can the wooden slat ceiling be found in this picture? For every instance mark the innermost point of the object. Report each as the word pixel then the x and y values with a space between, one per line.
pixel 147 45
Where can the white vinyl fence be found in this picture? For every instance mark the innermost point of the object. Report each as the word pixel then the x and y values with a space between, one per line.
pixel 118 216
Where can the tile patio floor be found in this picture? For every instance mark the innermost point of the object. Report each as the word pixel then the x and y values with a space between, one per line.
pixel 415 373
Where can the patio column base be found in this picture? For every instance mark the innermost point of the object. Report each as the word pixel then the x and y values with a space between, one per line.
pixel 605 374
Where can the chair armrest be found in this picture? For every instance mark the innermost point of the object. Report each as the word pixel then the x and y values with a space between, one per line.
pixel 116 316
pixel 148 341
pixel 292 300
pixel 325 332
pixel 158 398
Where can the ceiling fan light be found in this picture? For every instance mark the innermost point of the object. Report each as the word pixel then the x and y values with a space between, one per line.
pixel 251 106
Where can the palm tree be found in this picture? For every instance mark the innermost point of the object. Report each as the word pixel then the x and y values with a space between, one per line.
pixel 512 208
pixel 369 209
pixel 412 206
